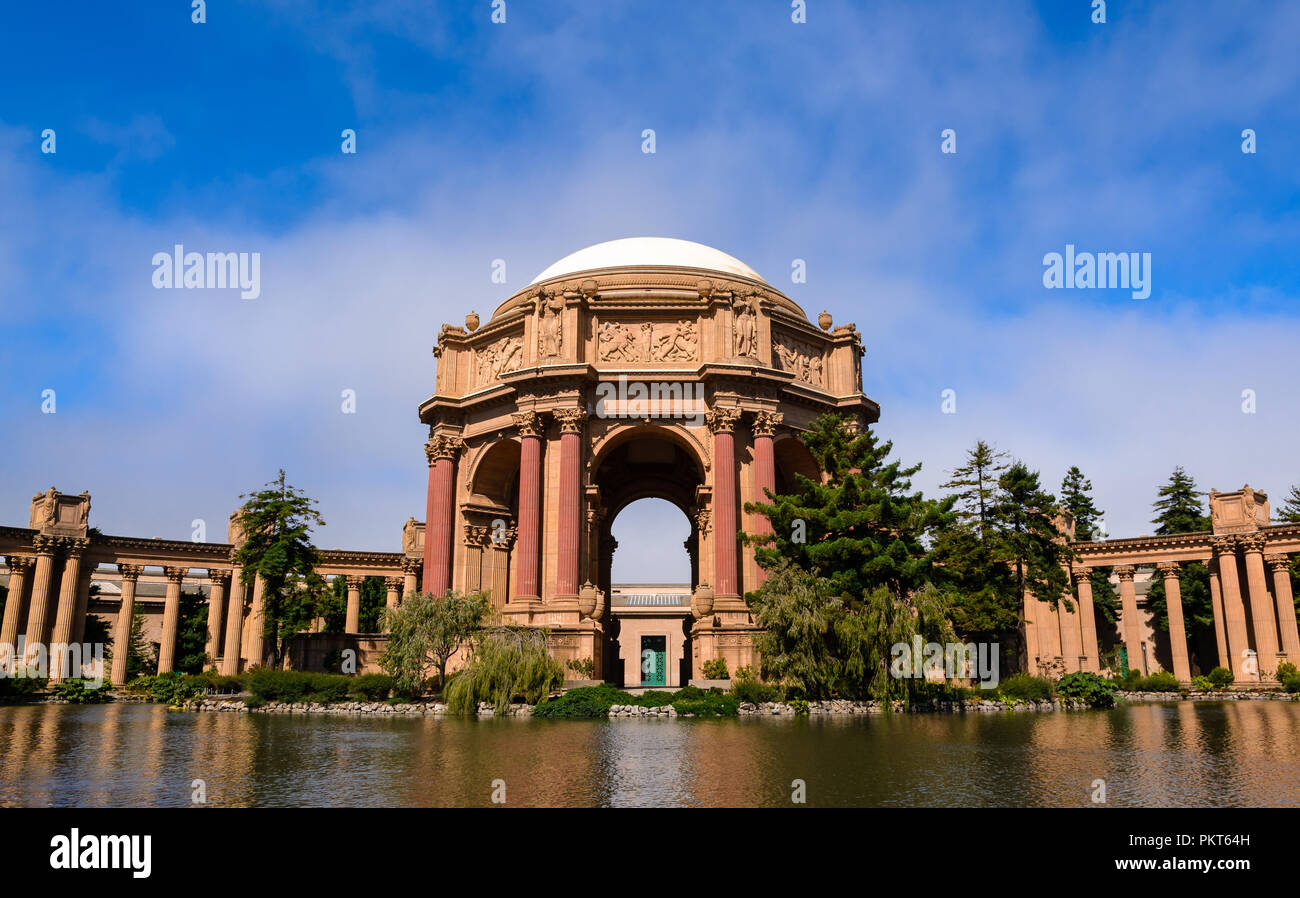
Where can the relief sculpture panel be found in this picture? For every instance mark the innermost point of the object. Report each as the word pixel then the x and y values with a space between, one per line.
pixel 494 359
pixel 803 360
pixel 662 341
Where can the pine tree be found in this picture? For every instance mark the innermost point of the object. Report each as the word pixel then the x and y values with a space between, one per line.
pixel 976 486
pixel 277 523
pixel 1289 513
pixel 862 529
pixel 1076 498
pixel 1178 506
pixel 1032 542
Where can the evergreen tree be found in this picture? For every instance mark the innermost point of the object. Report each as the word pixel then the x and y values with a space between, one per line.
pixel 862 529
pixel 192 634
pixel 976 486
pixel 1178 506
pixel 277 523
pixel 1032 541
pixel 1076 498
pixel 1289 513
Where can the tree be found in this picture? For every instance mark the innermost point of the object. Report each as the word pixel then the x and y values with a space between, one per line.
pixel 820 645
pixel 1076 498
pixel 864 527
pixel 427 630
pixel 506 662
pixel 976 485
pixel 1289 512
pixel 1178 506
pixel 277 523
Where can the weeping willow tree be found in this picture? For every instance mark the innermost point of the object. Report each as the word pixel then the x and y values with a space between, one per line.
pixel 505 662
pixel 426 631
pixel 823 646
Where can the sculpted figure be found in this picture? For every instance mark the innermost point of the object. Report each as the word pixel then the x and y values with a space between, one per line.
pixel 746 329
pixel 552 335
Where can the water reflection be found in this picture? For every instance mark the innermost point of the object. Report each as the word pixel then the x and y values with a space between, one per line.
pixel 1177 754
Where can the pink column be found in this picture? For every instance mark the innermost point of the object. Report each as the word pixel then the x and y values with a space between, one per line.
pixel 764 429
pixel 530 504
pixel 722 422
pixel 570 504
pixel 1177 630
pixel 20 567
pixel 1280 566
pixel 440 512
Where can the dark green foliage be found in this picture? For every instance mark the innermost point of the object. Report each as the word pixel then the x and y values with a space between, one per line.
pixel 593 702
pixel 864 528
pixel 277 522
pixel 1291 683
pixel 428 630
pixel 77 691
pixel 1178 506
pixel 1027 517
pixel 1194 590
pixel 711 704
pixel 169 688
pixel 1289 511
pixel 753 691
pixel 975 487
pixel 1026 688
pixel 1098 692
pixel 1076 498
pixel 1105 600
pixel 192 634
pixel 1221 677
pixel 1161 681
pixel 716 669
pixel 20 688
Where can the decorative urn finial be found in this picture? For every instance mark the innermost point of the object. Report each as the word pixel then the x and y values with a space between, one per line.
pixel 824 320
pixel 471 322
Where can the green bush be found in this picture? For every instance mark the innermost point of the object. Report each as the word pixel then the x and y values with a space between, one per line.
pixel 506 663
pixel 584 703
pixel 1221 677
pixel 1093 690
pixel 1162 681
pixel 172 689
pixel 800 707
pixel 711 704
pixel 1202 684
pixel 370 687
pixel 748 690
pixel 1131 681
pixel 79 692
pixel 1292 683
pixel 716 669
pixel 1285 671
pixel 20 687
pixel 1026 688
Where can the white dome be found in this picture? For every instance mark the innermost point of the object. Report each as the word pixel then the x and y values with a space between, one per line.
pixel 653 251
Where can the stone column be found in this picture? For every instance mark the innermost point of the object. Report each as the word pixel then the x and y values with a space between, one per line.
pixel 1261 603
pixel 1069 620
pixel 353 624
pixel 394 585
pixel 440 512
pixel 1177 629
pixel 1234 613
pixel 530 505
pixel 256 648
pixel 68 602
pixel 1216 605
pixel 230 657
pixel 125 617
pixel 171 619
pixel 409 581
pixel 20 568
pixel 38 625
pixel 1087 620
pixel 570 503
pixel 1280 565
pixel 216 610
pixel 764 429
pixel 1129 621
pixel 722 423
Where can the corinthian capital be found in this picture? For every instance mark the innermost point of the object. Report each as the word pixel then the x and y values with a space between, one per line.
pixel 443 446
pixel 1277 562
pixel 175 574
pixel 130 571
pixel 1252 542
pixel 1224 545
pixel 766 423
pixel 570 419
pixel 722 419
pixel 528 423
pixel 1125 572
pixel 19 564
pixel 1168 569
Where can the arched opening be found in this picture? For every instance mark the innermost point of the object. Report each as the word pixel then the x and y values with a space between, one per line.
pixel 648 557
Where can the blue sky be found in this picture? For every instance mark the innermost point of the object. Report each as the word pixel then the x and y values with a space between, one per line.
pixel 522 141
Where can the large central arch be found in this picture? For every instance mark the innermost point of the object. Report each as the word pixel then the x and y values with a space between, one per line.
pixel 639 368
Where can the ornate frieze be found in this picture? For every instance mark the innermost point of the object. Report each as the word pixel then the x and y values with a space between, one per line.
pixel 648 341
pixel 496 358
pixel 800 358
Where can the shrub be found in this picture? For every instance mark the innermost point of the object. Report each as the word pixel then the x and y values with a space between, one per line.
pixel 1221 677
pixel 79 692
pixel 1285 671
pixel 370 687
pixel 711 704
pixel 172 689
pixel 20 687
pixel 1093 690
pixel 507 663
pixel 1292 683
pixel 1131 681
pixel 800 707
pixel 1026 688
pixel 750 690
pixel 1202 684
pixel 716 669
pixel 1162 681
pixel 584 703
pixel 583 667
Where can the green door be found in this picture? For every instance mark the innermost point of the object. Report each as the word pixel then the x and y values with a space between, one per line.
pixel 654 660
